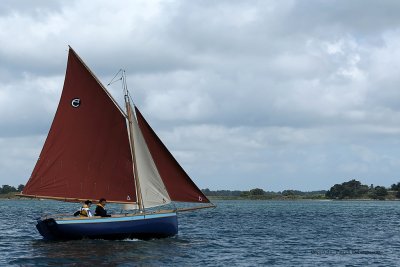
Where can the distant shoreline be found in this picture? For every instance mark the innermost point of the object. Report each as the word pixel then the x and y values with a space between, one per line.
pixel 12 195
pixel 352 190
pixel 228 198
pixel 297 199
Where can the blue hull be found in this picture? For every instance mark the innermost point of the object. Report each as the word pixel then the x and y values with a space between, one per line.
pixel 113 228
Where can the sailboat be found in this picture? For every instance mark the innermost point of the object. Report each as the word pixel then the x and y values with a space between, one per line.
pixel 95 149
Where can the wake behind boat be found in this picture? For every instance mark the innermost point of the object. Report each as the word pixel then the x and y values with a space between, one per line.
pixel 95 149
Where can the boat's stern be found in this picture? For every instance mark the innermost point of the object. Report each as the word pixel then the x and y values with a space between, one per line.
pixel 47 228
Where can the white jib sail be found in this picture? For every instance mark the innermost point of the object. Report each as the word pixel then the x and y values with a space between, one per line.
pixel 152 187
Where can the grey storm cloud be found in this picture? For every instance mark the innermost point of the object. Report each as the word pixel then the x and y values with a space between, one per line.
pixel 271 94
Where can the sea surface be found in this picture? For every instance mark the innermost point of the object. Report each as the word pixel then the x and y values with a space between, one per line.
pixel 236 233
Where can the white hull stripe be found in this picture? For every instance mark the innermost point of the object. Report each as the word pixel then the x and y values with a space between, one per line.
pixel 116 219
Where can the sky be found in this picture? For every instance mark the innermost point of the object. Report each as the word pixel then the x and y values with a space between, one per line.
pixel 270 94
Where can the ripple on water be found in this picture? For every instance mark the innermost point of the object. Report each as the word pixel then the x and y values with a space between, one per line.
pixel 237 233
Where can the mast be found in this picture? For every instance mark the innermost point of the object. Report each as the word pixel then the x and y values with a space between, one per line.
pixel 132 143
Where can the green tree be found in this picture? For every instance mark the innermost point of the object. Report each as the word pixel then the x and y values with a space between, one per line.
pixel 257 192
pixel 245 194
pixel 379 192
pixel 7 189
pixel 20 188
pixel 335 191
pixel 206 191
pixel 350 189
pixel 395 187
pixel 288 193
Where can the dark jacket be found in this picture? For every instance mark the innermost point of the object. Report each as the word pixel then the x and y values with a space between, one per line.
pixel 100 211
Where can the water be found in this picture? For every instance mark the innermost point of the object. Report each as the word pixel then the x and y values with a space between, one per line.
pixel 237 233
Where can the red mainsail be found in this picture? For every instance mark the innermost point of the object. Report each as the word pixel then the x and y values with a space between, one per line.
pixel 179 185
pixel 87 153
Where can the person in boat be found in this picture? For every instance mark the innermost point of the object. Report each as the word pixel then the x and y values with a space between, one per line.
pixel 85 209
pixel 100 210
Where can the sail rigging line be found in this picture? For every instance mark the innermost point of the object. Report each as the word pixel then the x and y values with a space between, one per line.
pixel 151 188
pixel 139 197
pixel 98 81
pixel 131 140
pixel 129 111
pixel 112 80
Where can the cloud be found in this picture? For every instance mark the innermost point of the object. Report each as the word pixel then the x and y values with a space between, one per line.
pixel 271 94
pixel 17 155
pixel 27 105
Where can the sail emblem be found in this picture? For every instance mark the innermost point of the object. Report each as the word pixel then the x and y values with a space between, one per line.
pixel 200 198
pixel 128 198
pixel 76 102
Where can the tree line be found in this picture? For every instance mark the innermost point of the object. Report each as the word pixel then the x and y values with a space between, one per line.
pixel 5 189
pixel 258 193
pixel 353 189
